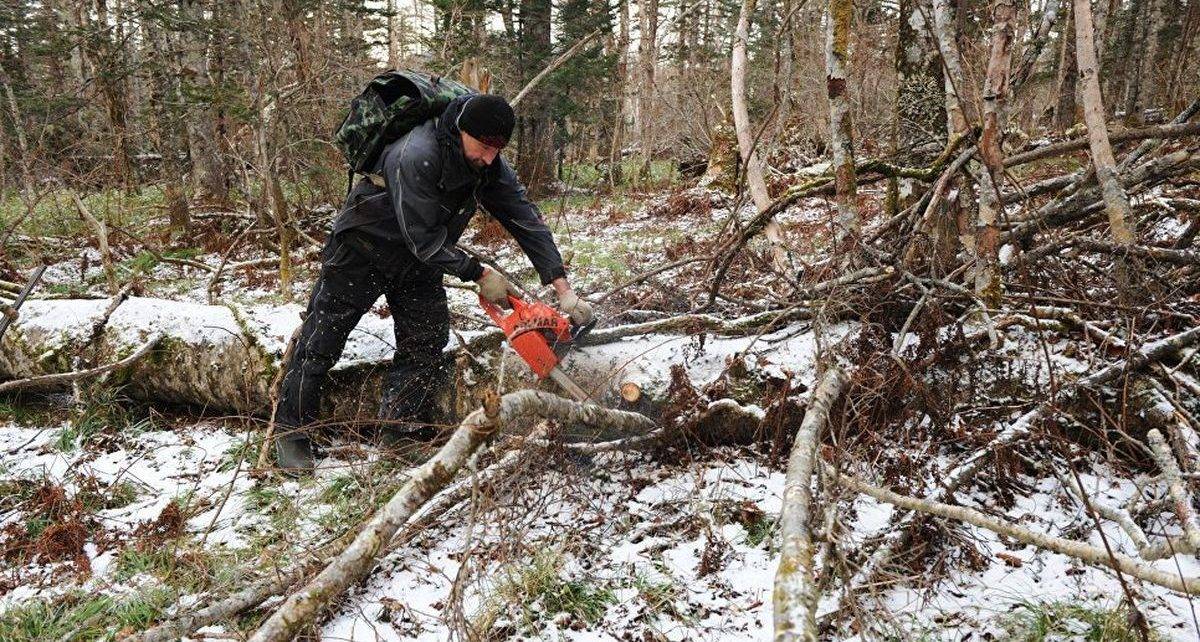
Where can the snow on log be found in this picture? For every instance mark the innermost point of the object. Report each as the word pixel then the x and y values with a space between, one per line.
pixel 225 357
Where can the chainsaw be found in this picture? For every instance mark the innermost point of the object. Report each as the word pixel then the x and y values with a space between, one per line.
pixel 541 336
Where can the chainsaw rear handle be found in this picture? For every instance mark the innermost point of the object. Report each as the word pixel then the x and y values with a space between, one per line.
pixel 496 314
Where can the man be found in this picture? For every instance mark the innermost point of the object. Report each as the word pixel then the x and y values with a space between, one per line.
pixel 397 240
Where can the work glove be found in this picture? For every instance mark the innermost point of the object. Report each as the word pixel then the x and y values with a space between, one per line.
pixel 579 310
pixel 494 288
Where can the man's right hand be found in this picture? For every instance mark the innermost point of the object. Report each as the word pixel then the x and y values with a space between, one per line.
pixel 494 288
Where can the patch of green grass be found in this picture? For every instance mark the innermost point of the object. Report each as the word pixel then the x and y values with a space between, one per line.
pixel 158 561
pixel 28 413
pixel 243 451
pixel 659 595
pixel 341 488
pixel 760 530
pixel 104 409
pixel 56 214
pixel 588 175
pixel 1044 621
pixel 591 256
pixel 145 261
pixel 99 497
pixel 534 593
pixel 83 616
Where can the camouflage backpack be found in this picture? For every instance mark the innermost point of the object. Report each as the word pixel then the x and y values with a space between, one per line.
pixel 392 104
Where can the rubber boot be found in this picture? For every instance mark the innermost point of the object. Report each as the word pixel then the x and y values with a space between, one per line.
pixel 294 455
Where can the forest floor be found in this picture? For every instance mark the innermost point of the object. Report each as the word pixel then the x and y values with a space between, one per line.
pixel 115 514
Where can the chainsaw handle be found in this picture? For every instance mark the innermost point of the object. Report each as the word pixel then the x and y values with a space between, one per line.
pixel 494 311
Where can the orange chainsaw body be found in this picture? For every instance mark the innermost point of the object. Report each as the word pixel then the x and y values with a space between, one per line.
pixel 534 330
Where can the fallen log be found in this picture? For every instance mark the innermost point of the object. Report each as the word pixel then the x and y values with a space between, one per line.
pixel 226 358
pixel 795 595
pixel 59 378
pixel 358 558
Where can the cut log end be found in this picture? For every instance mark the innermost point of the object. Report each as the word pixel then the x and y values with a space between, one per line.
pixel 631 392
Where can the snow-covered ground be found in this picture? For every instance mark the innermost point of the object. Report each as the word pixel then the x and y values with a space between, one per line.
pixel 626 546
pixel 620 546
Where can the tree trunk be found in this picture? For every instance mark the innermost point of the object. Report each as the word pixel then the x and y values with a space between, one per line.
pixel 624 83
pixel 168 122
pixel 741 122
pixel 1117 79
pixel 1151 77
pixel 535 145
pixel 920 114
pixel 648 62
pixel 1116 202
pixel 209 172
pixel 995 98
pixel 394 34
pixel 1068 78
pixel 956 85
pixel 1135 61
pixel 841 128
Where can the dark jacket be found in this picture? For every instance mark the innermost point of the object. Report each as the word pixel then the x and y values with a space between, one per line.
pixel 432 192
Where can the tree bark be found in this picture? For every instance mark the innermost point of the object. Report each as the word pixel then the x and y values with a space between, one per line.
pixel 1116 201
pixel 535 144
pixel 795 595
pixel 1068 78
pixel 995 98
pixel 841 128
pixel 648 63
pixel 956 83
pixel 746 144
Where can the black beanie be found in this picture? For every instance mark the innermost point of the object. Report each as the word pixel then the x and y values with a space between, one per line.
pixel 489 118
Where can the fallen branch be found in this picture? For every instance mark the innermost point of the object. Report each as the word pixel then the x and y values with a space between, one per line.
pixel 356 560
pixel 1181 501
pixel 1094 555
pixel 11 311
pixel 55 379
pixel 1180 130
pixel 795 579
pixel 964 471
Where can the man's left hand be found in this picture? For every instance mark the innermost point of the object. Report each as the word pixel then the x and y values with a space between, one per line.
pixel 579 310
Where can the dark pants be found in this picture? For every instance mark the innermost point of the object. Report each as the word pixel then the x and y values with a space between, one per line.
pixel 351 281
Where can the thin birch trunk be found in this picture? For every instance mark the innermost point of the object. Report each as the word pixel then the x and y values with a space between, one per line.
pixel 1068 78
pixel 1116 201
pixel 995 98
pixel 943 29
pixel 745 137
pixel 1181 500
pixel 101 230
pixel 795 593
pixel 647 61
